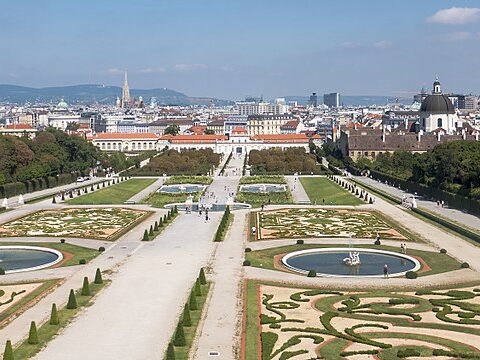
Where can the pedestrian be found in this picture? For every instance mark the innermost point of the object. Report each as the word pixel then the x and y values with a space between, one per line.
pixel 443 203
pixel 323 201
pixel 254 229
pixel 404 248
pixel 263 206
pixel 401 248
pixel 385 271
pixel 438 203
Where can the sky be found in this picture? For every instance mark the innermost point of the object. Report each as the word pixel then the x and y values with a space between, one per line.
pixel 231 49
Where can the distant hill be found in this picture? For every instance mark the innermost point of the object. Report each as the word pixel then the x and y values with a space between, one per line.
pixel 354 100
pixel 88 94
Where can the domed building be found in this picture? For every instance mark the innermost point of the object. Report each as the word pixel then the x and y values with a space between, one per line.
pixel 437 112
pixel 62 105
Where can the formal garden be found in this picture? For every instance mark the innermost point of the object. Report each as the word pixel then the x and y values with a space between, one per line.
pixel 100 223
pixel 290 323
pixel 315 222
pixel 322 191
pixel 114 194
pixel 264 195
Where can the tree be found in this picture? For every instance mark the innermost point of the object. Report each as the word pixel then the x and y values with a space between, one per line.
pixel 54 316
pixel 98 277
pixel 186 319
pixel 192 302
pixel 172 130
pixel 198 288
pixel 170 352
pixel 72 300
pixel 150 233
pixel 32 334
pixel 202 277
pixel 145 236
pixel 155 228
pixel 8 353
pixel 179 337
pixel 85 287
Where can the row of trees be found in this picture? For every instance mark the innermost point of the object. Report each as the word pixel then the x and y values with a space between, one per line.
pixel 188 162
pixel 453 166
pixel 279 161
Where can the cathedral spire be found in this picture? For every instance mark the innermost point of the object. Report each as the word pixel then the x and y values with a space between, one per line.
pixel 125 93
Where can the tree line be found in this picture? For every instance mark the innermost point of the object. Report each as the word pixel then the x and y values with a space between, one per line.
pixel 279 161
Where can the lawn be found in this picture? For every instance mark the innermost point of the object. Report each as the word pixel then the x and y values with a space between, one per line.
pixel 187 179
pixel 257 199
pixel 321 191
pixel 263 179
pixel 438 263
pixel 78 252
pixel 115 194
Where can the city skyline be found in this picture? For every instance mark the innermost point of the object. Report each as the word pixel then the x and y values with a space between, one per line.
pixel 229 50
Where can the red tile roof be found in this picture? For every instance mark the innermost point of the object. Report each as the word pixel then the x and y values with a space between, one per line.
pixel 19 127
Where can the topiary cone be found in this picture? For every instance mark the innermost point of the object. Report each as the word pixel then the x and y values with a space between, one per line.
pixel 198 288
pixel 170 352
pixel 85 287
pixel 179 338
pixel 8 353
pixel 98 277
pixel 145 236
pixel 72 300
pixel 54 316
pixel 155 228
pixel 160 222
pixel 150 232
pixel 201 276
pixel 186 319
pixel 32 334
pixel 192 303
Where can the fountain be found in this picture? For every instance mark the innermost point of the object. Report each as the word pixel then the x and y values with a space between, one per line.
pixel 18 258
pixel 353 259
pixel 262 188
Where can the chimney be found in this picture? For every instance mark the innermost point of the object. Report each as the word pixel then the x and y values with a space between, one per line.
pixel 476 136
pixel 383 135
pixel 419 136
pixel 438 136
pixel 464 134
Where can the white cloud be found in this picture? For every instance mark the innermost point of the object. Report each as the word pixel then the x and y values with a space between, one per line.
pixel 151 70
pixel 382 44
pixel 189 67
pixel 458 36
pixel 114 71
pixel 455 15
pixel 350 44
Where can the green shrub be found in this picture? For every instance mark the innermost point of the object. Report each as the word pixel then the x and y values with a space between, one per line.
pixel 274 326
pixel 408 352
pixel 443 251
pixel 155 228
pixel 2 271
pixel 150 233
pixel 179 337
pixel 72 300
pixel 246 263
pixel 192 302
pixel 312 273
pixel 32 334
pixel 411 275
pixel 82 261
pixel 186 319
pixel 401 301
pixel 160 222
pixel 8 353
pixel 145 236
pixel 300 242
pixel 101 249
pixel 198 288
pixel 465 265
pixel 54 200
pixel 202 277
pixel 98 277
pixel 54 315
pixel 62 241
pixel 85 287
pixel 248 249
pixel 170 352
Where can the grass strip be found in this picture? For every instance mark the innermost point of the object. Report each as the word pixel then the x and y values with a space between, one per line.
pixel 322 191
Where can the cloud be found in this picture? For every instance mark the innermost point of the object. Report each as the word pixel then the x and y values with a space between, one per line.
pixel 151 70
pixel 455 15
pixel 189 67
pixel 350 44
pixel 458 36
pixel 114 71
pixel 382 44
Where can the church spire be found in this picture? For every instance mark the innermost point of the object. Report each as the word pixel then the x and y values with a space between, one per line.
pixel 437 89
pixel 125 93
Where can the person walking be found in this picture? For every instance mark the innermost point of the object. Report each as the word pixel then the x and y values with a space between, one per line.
pixel 404 248
pixel 385 271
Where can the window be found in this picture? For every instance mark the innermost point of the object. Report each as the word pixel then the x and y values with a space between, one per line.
pixel 439 122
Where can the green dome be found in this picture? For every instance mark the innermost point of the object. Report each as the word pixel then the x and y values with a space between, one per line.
pixel 62 104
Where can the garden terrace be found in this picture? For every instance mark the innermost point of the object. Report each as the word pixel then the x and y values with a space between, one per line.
pixel 115 194
pixel 257 199
pixel 321 222
pixel 322 191
pixel 99 223
pixel 284 322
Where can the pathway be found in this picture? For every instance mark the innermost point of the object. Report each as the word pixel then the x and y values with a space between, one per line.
pixel 146 192
pixel 298 192
pixel 455 215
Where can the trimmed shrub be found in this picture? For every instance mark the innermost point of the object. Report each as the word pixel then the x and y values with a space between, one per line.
pixel 411 275
pixel 186 319
pixel 32 334
pixel 54 200
pixel 408 352
pixel 248 249
pixel 160 222
pixel 98 277
pixel 2 271
pixel 82 261
pixel 300 242
pixel 8 353
pixel 62 241
pixel 443 251
pixel 101 249
pixel 155 228
pixel 91 188
pixel 192 302
pixel 202 277
pixel 98 186
pixel 54 316
pixel 465 265
pixel 63 196
pixel 72 300
pixel 312 273
pixel 170 352
pixel 145 236
pixel 150 232
pixel 246 263
pixel 198 288
pixel 86 287
pixel 179 338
